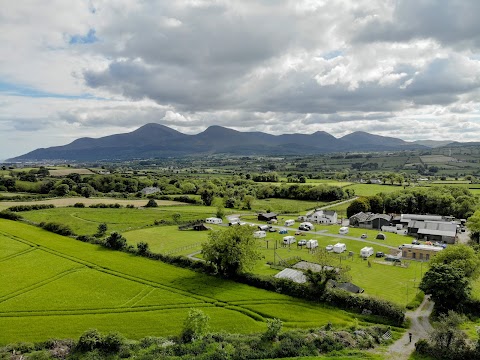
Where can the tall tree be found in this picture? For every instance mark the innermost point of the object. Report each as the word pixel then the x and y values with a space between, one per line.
pixel 232 251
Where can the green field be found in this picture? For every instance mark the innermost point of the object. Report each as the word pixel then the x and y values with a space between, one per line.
pixel 85 221
pixel 285 206
pixel 372 189
pixel 57 287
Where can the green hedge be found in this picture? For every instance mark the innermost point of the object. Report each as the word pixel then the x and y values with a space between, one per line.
pixel 19 208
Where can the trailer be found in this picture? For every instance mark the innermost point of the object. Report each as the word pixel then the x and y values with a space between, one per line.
pixel 287 240
pixel 339 248
pixel 366 252
pixel 263 227
pixel 213 220
pixel 312 244
pixel 289 222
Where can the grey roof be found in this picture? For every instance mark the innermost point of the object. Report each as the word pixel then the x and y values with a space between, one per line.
pixel 379 216
pixel 408 217
pixel 267 215
pixel 329 212
pixel 361 216
pixel 437 232
pixel 292 274
pixel 434 227
pixel 347 286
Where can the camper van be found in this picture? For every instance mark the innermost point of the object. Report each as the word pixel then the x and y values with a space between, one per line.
pixel 339 248
pixel 259 234
pixel 312 244
pixel 289 222
pixel 287 240
pixel 213 220
pixel 306 226
pixel 366 252
pixel 343 230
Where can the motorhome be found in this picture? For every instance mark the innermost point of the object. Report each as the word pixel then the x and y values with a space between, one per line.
pixel 287 240
pixel 343 230
pixel 339 248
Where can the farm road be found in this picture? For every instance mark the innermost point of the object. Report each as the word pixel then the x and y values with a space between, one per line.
pixel 339 203
pixel 419 327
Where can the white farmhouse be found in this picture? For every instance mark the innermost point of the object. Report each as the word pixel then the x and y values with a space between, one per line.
pixel 323 217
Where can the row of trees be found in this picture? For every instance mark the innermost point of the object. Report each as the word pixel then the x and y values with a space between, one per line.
pixel 442 200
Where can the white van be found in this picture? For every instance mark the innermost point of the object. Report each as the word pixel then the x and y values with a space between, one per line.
pixel 289 222
pixel 312 244
pixel 287 240
pixel 339 248
pixel 343 230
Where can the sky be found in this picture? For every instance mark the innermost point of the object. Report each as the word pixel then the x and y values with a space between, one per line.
pixel 70 69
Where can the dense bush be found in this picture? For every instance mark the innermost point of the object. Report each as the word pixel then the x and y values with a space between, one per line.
pixel 106 206
pixel 19 208
pixel 79 205
pixel 7 214
pixel 57 228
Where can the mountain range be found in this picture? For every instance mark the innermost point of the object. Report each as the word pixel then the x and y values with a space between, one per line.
pixel 155 140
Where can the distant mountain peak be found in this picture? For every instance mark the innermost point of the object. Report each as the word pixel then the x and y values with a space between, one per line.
pixel 157 140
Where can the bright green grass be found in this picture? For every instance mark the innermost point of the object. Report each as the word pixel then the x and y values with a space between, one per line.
pixel 341 209
pixel 168 239
pixel 380 280
pixel 65 287
pixel 9 247
pixel 372 189
pixel 285 205
pixel 85 221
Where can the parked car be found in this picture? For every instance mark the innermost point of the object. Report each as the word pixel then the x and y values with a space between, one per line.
pixel 392 258
pixel 379 254
pixel 302 243
pixel 329 248
pixel 364 236
pixel 303 228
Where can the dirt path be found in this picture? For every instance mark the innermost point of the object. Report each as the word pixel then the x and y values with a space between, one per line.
pixel 419 327
pixel 339 203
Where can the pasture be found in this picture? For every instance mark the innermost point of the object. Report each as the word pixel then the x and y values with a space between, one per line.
pixel 285 206
pixel 67 171
pixel 85 221
pixel 70 201
pixel 57 287
pixel 372 189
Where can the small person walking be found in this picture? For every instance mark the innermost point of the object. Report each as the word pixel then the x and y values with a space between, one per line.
pixel 410 336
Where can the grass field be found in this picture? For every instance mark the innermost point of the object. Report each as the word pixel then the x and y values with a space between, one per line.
pixel 372 189
pixel 57 287
pixel 62 202
pixel 285 206
pixel 85 221
pixel 67 171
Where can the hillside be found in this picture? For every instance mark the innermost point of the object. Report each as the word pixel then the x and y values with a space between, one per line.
pixel 155 140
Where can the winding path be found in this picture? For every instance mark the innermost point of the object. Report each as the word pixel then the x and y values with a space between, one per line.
pixel 420 327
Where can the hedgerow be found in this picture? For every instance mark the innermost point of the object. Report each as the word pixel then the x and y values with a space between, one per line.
pixel 19 208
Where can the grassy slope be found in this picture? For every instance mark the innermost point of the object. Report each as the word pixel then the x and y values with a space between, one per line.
pixel 64 287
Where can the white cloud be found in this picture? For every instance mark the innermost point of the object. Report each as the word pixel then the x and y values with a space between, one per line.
pixel 286 66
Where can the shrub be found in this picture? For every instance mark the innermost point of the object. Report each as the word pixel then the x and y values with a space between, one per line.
pixel 195 326
pixel 57 228
pixel 20 208
pixel 142 247
pixel 79 205
pixel 151 203
pixel 274 326
pixel 115 241
pixel 112 342
pixel 9 215
pixel 89 340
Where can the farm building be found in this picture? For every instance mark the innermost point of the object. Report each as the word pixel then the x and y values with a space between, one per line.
pixel 213 220
pixel 370 220
pixel 322 216
pixel 420 252
pixel 267 216
pixel 347 286
pixel 433 230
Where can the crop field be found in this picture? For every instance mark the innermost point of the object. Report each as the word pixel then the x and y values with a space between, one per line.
pixel 85 221
pixel 372 189
pixel 61 202
pixel 57 287
pixel 430 159
pixel 67 171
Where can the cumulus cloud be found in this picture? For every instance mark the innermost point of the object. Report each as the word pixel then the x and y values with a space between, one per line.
pixel 388 67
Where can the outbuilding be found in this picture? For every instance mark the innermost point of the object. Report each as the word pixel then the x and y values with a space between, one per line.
pixel 267 216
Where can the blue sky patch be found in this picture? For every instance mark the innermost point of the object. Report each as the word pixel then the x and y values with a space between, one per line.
pixel 20 90
pixel 90 38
